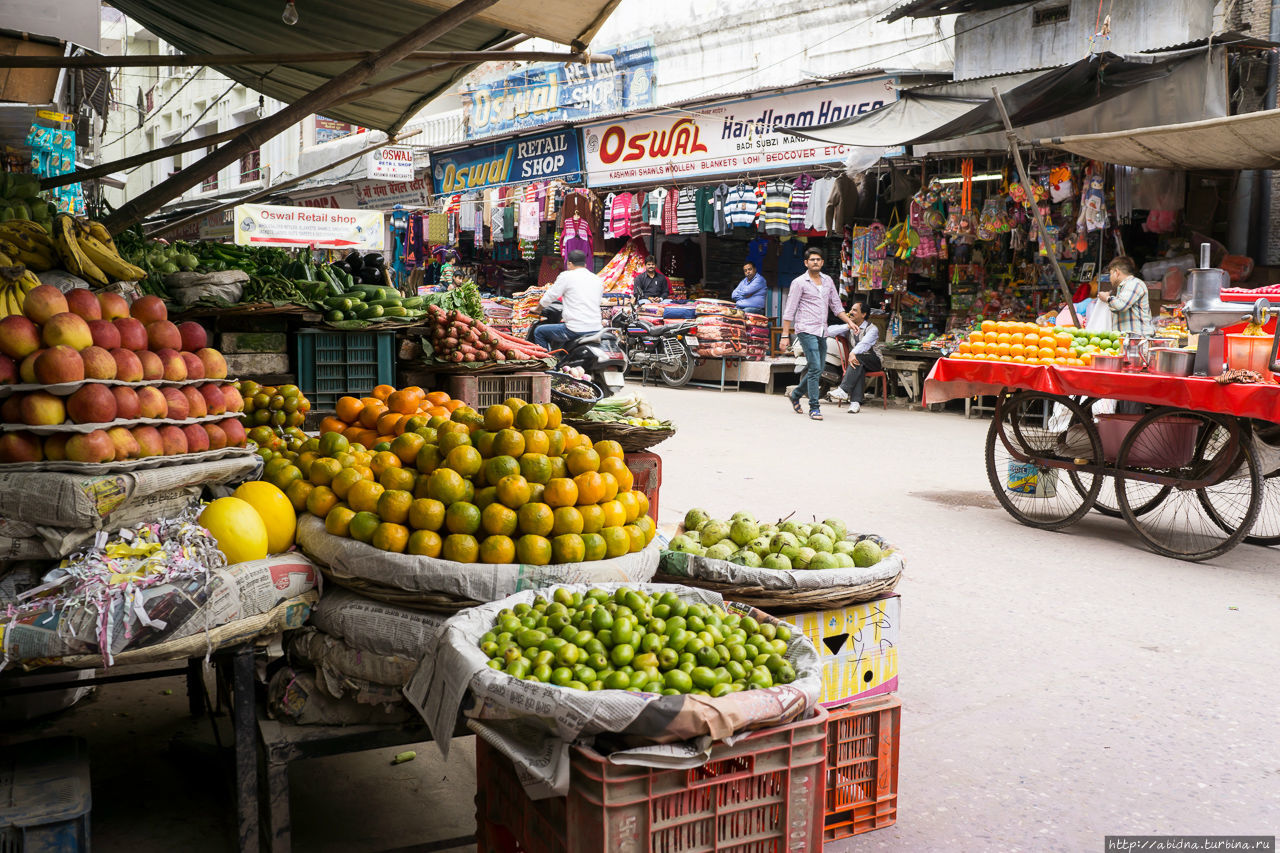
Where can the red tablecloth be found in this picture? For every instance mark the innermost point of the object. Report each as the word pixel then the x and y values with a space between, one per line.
pixel 954 379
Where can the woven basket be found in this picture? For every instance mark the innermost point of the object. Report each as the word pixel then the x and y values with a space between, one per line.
pixel 789 601
pixel 430 602
pixel 633 439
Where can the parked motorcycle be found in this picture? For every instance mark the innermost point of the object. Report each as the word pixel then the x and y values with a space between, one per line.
pixel 667 349
pixel 598 354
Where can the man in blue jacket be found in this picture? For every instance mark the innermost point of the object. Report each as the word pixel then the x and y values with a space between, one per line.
pixel 750 292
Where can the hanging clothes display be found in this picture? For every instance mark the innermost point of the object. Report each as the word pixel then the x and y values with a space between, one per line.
pixel 740 207
pixel 719 204
pixel 777 208
pixel 687 211
pixel 529 222
pixel 800 191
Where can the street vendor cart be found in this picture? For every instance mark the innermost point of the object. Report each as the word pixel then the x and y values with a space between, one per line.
pixel 1193 476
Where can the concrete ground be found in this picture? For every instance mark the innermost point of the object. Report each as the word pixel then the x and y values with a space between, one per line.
pixel 1056 687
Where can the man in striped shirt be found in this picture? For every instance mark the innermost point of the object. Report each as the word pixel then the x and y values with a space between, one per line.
pixel 1129 302
pixel 811 296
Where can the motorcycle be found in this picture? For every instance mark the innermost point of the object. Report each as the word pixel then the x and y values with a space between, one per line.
pixel 597 354
pixel 665 349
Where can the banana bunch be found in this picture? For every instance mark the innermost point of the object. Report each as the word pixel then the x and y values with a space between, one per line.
pixel 87 250
pixel 16 281
pixel 26 242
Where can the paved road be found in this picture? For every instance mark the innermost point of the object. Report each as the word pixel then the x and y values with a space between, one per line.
pixel 1057 687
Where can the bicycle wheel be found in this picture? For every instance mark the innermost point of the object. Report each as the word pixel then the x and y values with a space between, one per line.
pixel 1026 462
pixel 1217 490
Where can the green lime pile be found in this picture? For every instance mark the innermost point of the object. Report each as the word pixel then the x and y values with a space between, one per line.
pixel 630 640
pixel 782 546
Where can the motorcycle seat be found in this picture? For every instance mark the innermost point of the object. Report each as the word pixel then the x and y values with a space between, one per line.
pixel 590 338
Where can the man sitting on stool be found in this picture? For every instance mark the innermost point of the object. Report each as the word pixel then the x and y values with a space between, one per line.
pixel 862 360
pixel 582 291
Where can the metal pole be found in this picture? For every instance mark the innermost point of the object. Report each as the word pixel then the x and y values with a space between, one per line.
pixel 1035 209
pixel 313 102
pixel 278 187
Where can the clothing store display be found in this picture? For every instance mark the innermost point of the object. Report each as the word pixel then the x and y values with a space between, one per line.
pixel 720 217
pixel 800 191
pixel 670 219
pixel 529 222
pixel 687 211
pixel 777 208
pixel 756 250
pixel 706 210
pixel 655 204
pixel 842 206
pixel 639 224
pixel 740 207
pixel 815 218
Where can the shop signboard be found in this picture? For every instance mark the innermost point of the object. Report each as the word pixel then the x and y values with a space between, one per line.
pixel 727 138
pixel 547 92
pixel 391 163
pixel 323 228
pixel 328 129
pixel 507 161
pixel 384 195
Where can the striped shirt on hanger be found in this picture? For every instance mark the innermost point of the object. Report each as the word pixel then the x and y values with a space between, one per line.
pixel 777 208
pixel 687 211
pixel 800 191
pixel 740 207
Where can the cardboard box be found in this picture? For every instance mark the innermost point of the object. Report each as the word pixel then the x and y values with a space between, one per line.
pixel 858 646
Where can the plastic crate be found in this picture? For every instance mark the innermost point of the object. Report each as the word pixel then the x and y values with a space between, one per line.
pixel 332 365
pixel 44 796
pixel 480 392
pixel 762 794
pixel 646 473
pixel 862 767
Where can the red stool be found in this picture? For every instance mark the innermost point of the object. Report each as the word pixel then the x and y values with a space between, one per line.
pixel 884 385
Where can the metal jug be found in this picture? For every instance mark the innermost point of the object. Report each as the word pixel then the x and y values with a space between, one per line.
pixel 1135 348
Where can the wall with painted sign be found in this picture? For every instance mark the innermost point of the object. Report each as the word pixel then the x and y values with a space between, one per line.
pixel 323 228
pixel 550 92
pixel 510 161
pixel 729 137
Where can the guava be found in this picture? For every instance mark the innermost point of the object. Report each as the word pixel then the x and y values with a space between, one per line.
pixel 866 553
pixel 722 550
pixel 823 560
pixel 802 558
pixel 841 529
pixel 747 558
pixel 782 539
pixel 743 531
pixel 844 560
pixel 695 518
pixel 713 532
pixel 844 546
pixel 777 562
pixel 820 542
pixel 759 545
pixel 683 544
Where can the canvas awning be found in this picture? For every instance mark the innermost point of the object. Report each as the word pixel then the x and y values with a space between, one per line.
pixel 1248 141
pixel 254 26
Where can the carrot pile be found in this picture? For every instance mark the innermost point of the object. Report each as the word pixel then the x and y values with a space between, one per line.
pixel 458 338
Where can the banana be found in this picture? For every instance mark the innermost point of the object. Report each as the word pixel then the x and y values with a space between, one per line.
pixel 14 299
pixel 76 261
pixel 6 260
pixel 33 260
pixel 98 230
pixel 106 260
pixel 29 282
pixel 24 238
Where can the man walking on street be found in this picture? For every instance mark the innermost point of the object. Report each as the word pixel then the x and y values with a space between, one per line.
pixel 862 360
pixel 812 295
pixel 581 290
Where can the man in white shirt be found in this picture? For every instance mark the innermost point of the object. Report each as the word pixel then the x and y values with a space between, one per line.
pixel 582 292
pixel 862 360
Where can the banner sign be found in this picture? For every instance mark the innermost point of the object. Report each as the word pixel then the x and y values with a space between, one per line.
pixel 729 137
pixel 328 129
pixel 510 161
pixel 323 228
pixel 393 163
pixel 552 92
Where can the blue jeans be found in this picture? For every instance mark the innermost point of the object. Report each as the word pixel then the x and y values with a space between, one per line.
pixel 815 356
pixel 554 336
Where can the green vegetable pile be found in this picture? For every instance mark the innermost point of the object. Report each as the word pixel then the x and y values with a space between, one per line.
pixel 464 297
pixel 630 640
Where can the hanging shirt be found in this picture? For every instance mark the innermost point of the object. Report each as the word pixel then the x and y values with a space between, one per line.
pixel 670 219
pixel 576 234
pixel 777 208
pixel 800 191
pixel 620 215
pixel 606 226
pixel 529 220
pixel 815 217
pixel 639 224
pixel 687 211
pixel 719 202
pixel 740 207
pixel 760 197
pixel 704 199
pixel 576 203
pixel 756 251
pixel 509 222
pixel 654 206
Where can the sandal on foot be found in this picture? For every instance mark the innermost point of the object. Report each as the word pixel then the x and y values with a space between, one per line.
pixel 795 406
pixel 815 416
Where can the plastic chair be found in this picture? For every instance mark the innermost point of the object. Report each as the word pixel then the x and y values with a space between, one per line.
pixel 884 385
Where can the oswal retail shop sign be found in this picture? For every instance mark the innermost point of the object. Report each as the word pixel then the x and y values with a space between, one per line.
pixel 731 137
pixel 530 158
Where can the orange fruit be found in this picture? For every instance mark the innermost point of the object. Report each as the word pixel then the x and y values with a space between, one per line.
pixel 462 517
pixel 338 521
pixel 323 470
pixel 566 519
pixel 594 547
pixel 452 406
pixel 988 325
pixel 554 415
pixel 415 423
pixel 610 486
pixel 535 492
pixel 393 505
pixel 449 440
pixel 559 467
pixel 424 543
pixel 461 548
pixel 514 403
pixel 398 478
pixel 508 442
pixel 382 460
pixel 500 466
pixel 629 504
pixel 369 414
pixel 485 496
pixel 1016 350
pixel 304 461
pixel 592 518
pixel 532 549
pixel 406 401
pixel 536 441
pixel 438 419
pixel 468 417
pixel 496 519
pixel 650 529
pixel 382 392
pixel 497 549
pixel 332 424
pixel 297 494
pixel 429 458
pixel 582 460
pixel 1002 349
pixel 437 398
pixel 513 491
pixel 348 409
pixel 978 348
pixel 570 435
pixel 637 538
pixel 531 416
pixel 362 526
pixel 590 488
pixel 615 514
pixel 1003 338
pixel 438 412
pixel 616 541
pixel 642 503
pixel 618 468
pixel 560 492
pixel 390 537
pixel 387 423
pixel 483 440
pixel 406 446
pixel 975 337
pixel 321 500
pixel 465 460
pixel 498 417
pixel 568 548
pixel 364 495
pixel 535 467
pixel 963 348
pixel 536 518
pixel 555 439
pixel 447 486
pixel 426 514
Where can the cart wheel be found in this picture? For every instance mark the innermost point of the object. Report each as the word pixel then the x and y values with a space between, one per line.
pixel 1217 488
pixel 1266 443
pixel 1026 461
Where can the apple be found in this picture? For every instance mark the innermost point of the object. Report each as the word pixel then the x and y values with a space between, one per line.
pixel 126 446
pixel 8 371
pixel 105 334
pixel 163 335
pixel 215 366
pixel 175 369
pixel 92 404
pixel 128 367
pixel 194 337
pixel 214 400
pixel 197 438
pixel 59 364
pixel 152 366
pixel 85 303
pixel 40 408
pixel 235 403
pixel 27 368
pixel 149 441
pixel 11 409
pixel 127 404
pixel 55 446
pixel 66 329
pixel 196 405
pixel 43 302
pixel 236 436
pixel 113 305
pixel 19 337
pixel 93 446
pixel 152 403
pixel 217 437
pixel 98 363
pixel 179 408
pixel 149 309
pixel 133 335
pixel 173 440
pixel 20 447
pixel 195 367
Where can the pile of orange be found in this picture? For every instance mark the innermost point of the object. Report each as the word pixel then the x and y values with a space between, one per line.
pixel 1021 343
pixel 511 485
pixel 387 413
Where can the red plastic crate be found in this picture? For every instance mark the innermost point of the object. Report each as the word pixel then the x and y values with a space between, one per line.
pixel 862 767
pixel 761 795
pixel 646 472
